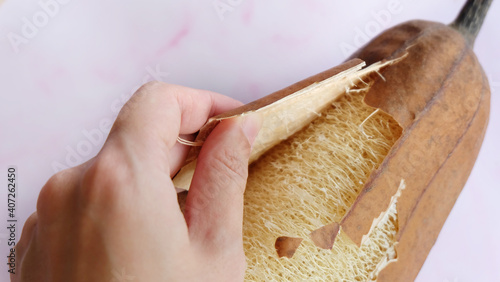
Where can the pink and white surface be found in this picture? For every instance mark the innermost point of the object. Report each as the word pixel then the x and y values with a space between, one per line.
pixel 67 66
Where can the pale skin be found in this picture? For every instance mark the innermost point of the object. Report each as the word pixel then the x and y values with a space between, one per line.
pixel 116 216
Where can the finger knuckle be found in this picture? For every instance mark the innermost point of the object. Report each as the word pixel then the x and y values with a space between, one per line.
pixel 103 180
pixel 155 84
pixel 149 88
pixel 58 179
pixel 53 194
pixel 28 231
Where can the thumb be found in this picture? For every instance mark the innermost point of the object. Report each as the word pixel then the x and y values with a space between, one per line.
pixel 214 207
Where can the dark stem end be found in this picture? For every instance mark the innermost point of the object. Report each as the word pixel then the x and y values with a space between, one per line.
pixel 470 19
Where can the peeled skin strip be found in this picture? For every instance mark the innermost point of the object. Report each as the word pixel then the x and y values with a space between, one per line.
pixel 287 111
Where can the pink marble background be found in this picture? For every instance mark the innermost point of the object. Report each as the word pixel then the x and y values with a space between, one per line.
pixel 66 69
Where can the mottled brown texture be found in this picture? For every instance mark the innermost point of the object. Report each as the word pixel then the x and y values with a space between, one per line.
pixel 324 237
pixel 286 246
pixel 440 96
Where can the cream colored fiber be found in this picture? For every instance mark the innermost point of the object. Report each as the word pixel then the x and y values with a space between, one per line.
pixel 310 180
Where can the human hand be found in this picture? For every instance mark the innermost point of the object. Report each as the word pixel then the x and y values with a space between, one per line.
pixel 117 214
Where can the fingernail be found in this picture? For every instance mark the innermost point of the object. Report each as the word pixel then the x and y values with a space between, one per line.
pixel 251 124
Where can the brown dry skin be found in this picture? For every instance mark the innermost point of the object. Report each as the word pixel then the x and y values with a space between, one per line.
pixel 286 246
pixel 324 237
pixel 440 96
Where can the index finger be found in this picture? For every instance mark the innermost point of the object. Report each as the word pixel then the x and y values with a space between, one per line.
pixel 158 113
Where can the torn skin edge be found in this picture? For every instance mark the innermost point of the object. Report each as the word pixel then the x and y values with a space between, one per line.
pixel 390 257
pixel 324 237
pixel 391 253
pixel 383 215
pixel 286 246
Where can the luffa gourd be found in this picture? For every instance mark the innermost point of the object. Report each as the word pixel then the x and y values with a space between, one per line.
pixel 356 169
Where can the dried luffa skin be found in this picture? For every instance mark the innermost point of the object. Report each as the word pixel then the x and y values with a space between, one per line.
pixel 440 96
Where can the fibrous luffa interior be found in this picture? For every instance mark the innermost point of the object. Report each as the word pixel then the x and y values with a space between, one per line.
pixel 311 180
